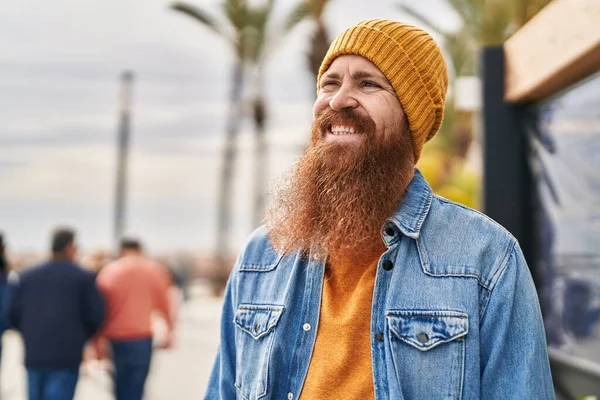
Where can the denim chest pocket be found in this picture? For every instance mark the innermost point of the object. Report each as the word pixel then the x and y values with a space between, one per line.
pixel 256 325
pixel 428 349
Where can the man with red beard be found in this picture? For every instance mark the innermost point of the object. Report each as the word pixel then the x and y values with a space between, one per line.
pixel 363 284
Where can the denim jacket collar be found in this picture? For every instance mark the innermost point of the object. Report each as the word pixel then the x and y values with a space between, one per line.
pixel 412 211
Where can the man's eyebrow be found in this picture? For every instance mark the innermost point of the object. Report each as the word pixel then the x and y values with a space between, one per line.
pixel 358 75
pixel 331 75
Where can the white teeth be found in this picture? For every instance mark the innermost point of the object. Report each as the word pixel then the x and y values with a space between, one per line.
pixel 342 130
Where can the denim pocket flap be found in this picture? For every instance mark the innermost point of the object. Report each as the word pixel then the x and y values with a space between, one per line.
pixel 265 262
pixel 257 320
pixel 426 329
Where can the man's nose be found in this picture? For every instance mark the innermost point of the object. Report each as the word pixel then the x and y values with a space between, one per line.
pixel 344 98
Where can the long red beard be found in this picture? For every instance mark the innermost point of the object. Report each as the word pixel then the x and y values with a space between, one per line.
pixel 340 194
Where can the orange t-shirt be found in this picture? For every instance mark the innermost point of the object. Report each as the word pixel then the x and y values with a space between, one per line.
pixel 133 287
pixel 341 367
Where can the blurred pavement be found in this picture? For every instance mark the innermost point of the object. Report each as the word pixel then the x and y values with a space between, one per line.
pixel 180 373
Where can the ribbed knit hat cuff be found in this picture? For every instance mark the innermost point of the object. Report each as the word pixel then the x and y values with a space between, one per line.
pixel 417 102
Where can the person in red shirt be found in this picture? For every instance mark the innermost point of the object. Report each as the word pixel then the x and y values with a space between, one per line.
pixel 134 288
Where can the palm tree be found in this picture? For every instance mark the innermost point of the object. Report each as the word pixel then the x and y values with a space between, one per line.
pixel 319 39
pixel 247 32
pixel 235 13
pixel 257 30
pixel 261 40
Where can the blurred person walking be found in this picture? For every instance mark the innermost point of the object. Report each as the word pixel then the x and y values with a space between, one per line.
pixel 57 307
pixel 134 287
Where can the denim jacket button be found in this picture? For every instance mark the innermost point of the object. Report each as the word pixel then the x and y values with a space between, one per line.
pixel 290 396
pixel 306 327
pixel 388 265
pixel 379 336
pixel 422 338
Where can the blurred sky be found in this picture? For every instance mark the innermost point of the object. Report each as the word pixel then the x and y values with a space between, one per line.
pixel 59 68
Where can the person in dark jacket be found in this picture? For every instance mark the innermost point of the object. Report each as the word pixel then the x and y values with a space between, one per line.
pixel 57 308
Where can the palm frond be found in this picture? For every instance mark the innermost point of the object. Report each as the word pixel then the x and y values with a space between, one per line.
pixel 255 32
pixel 471 14
pixel 298 14
pixel 236 12
pixel 467 10
pixel 198 15
pixel 429 24
pixel 317 7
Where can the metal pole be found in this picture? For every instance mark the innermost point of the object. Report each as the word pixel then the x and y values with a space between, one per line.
pixel 508 184
pixel 122 155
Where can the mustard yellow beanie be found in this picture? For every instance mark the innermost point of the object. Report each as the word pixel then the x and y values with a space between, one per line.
pixel 413 64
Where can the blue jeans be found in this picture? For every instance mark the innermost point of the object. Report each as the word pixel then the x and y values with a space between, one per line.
pixel 132 364
pixel 52 384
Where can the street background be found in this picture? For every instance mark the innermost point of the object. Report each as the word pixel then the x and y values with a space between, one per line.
pixel 171 122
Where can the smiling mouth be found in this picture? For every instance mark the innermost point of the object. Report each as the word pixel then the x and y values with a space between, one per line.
pixel 341 130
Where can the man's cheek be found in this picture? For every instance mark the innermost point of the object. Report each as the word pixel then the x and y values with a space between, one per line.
pixel 319 106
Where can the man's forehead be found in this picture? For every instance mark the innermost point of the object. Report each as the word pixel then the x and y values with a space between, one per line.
pixel 353 64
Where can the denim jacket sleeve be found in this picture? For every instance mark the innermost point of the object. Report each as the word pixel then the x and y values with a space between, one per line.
pixel 220 384
pixel 514 356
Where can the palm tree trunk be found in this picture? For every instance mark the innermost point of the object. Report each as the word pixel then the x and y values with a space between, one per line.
pixel 319 44
pixel 227 168
pixel 260 162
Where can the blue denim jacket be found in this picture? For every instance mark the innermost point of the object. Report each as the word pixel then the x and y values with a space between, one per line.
pixel 455 313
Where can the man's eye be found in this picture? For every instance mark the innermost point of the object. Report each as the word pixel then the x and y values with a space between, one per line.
pixel 328 84
pixel 370 84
